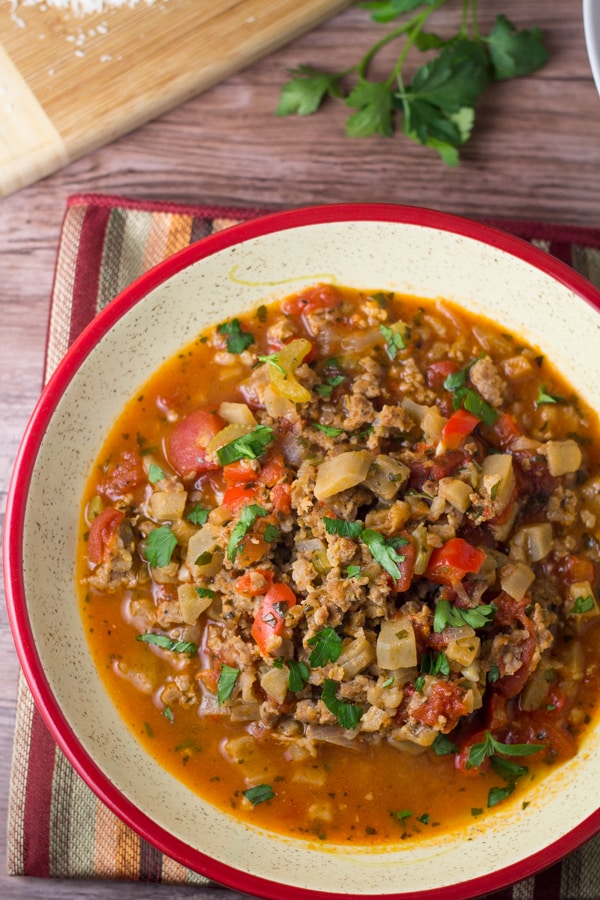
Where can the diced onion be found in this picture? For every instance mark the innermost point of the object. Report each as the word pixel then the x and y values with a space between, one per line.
pixel 533 542
pixel 275 683
pixel 396 644
pixel 204 543
pixel 386 476
pixel 191 603
pixel 456 492
pixel 563 456
pixel 498 478
pixel 342 472
pixel 516 579
pixel 237 414
pixel 165 506
pixel 356 656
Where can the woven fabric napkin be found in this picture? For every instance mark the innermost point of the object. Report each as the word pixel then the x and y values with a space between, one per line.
pixel 57 828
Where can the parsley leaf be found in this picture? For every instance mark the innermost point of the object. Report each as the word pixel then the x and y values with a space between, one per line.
pixel 374 103
pixel 384 551
pixel 490 747
pixel 248 446
pixel 343 528
pixel 443 746
pixel 298 674
pixel 249 515
pixel 329 430
pixel 198 515
pixel 393 340
pixel 236 339
pixel 160 544
pixel 259 793
pixel 155 473
pixel 583 604
pixel 273 360
pixel 353 572
pixel 348 714
pixel 435 663
pixel 477 617
pixel 228 677
pixel 327 646
pixel 205 592
pixel 304 93
pixel 167 643
pixel 515 53
pixel 498 794
pixel 271 533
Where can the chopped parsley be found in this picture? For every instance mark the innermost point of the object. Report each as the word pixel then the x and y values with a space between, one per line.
pixel 385 551
pixel 353 572
pixel 443 746
pixel 247 519
pixel 271 533
pixel 327 646
pixel 259 794
pixel 248 446
pixel 205 592
pixel 348 714
pixel 298 674
pixel 328 430
pixel 198 515
pixel 544 397
pixel 155 473
pixel 393 340
pixel 160 544
pixel 456 383
pixel 228 677
pixel 490 747
pixel 273 360
pixel 435 663
pixel 583 604
pixel 446 614
pixel 343 528
pixel 167 643
pixel 236 339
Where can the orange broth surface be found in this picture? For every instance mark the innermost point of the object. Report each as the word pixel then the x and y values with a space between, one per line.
pixel 377 793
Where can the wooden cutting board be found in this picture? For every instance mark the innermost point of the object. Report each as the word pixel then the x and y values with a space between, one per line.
pixel 69 84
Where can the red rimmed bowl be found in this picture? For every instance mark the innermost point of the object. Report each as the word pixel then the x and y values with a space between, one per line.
pixel 408 250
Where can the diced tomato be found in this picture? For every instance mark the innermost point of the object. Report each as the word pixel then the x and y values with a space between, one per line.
pixel 506 429
pixel 322 296
pixel 103 534
pixel 405 564
pixel 435 468
pixel 254 583
pixel 459 425
pixel 542 727
pixel 270 618
pixel 446 700
pixel 240 472
pixel 437 373
pixel 237 496
pixel 127 474
pixel 273 469
pixel 281 498
pixel 451 562
pixel 575 568
pixel 186 444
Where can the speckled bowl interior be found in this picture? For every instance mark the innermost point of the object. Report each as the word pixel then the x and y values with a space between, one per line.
pixel 389 248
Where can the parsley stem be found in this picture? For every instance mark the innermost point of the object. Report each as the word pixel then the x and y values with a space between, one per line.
pixel 412 29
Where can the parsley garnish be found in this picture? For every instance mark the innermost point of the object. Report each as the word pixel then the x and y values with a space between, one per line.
pixel 329 430
pixel 327 646
pixel 465 396
pixel 493 675
pixel 544 397
pixel 435 108
pixel 384 550
pixel 205 592
pixel 298 674
pixel 435 663
pixel 490 746
pixel 583 604
pixel 271 533
pixel 248 446
pixel 198 515
pixel 443 746
pixel 273 360
pixel 348 714
pixel 167 643
pixel 326 389
pixel 236 339
pixel 259 793
pixel 247 519
pixel 393 340
pixel 168 714
pixel 353 572
pixel 160 544
pixel 228 677
pixel 343 528
pixel 446 614
pixel 155 473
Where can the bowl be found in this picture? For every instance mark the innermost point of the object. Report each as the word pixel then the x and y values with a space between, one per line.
pixel 415 251
pixel 591 28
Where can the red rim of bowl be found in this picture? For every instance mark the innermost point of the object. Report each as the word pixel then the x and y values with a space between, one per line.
pixel 15 516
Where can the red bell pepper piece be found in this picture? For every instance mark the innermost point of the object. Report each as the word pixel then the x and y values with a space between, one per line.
pixel 450 563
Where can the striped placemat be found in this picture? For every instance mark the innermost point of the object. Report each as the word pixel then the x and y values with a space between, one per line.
pixel 57 828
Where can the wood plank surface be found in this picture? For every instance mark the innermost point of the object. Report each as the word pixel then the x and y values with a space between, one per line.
pixel 535 154
pixel 97 77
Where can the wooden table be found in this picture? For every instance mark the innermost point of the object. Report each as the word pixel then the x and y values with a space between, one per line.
pixel 535 155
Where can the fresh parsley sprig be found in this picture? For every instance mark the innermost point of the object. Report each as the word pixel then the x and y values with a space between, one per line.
pixel 436 108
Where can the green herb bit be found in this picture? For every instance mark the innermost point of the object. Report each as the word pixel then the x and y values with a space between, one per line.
pixel 155 473
pixel 385 551
pixel 419 684
pixel 424 819
pixel 205 592
pixel 167 643
pixel 490 746
pixel 328 430
pixel 435 663
pixel 327 647
pixel 198 515
pixel 474 403
pixel 259 794
pixel 228 677
pixel 249 515
pixel 402 815
pixel 271 533
pixel 353 572
pixel 299 674
pixel 393 340
pixel 348 714
pixel 248 446
pixel 583 604
pixel 477 617
pixel 160 544
pixel 476 811
pixel 493 675
pixel 273 360
pixel 343 528
pixel 236 339
pixel 168 714
pixel 443 746
pixel 497 794
pixel 544 397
